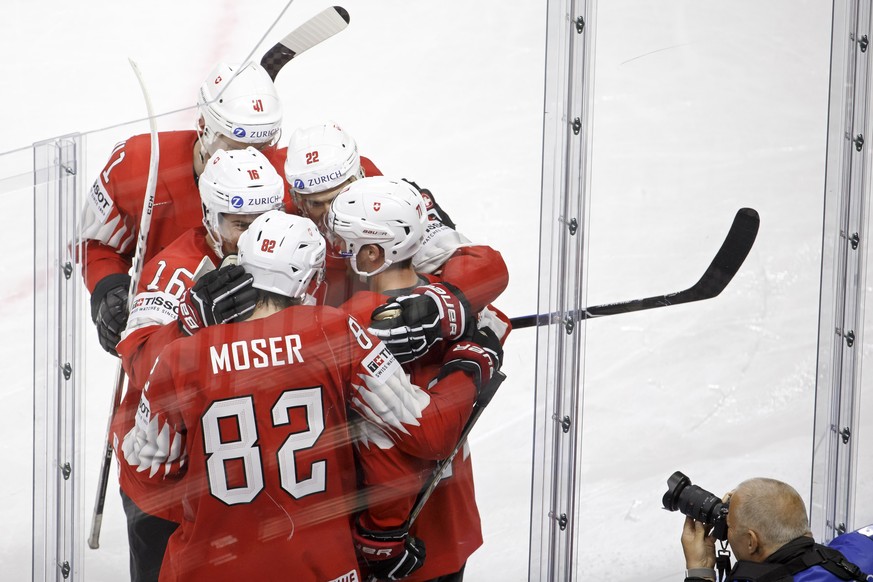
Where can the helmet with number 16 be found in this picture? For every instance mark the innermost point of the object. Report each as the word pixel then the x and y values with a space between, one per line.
pixel 235 187
pixel 283 252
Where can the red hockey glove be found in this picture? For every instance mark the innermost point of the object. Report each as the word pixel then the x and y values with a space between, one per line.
pixel 411 324
pixel 220 296
pixel 389 555
pixel 480 357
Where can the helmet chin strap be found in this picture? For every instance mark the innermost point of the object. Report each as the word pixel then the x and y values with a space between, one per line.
pixel 214 239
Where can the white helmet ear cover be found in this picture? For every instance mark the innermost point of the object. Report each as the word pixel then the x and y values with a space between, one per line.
pixel 283 253
pixel 321 157
pixel 382 211
pixel 245 108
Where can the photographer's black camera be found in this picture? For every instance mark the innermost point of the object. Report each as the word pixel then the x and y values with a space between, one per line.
pixel 697 503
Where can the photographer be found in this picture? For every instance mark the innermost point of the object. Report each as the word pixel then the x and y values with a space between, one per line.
pixel 768 531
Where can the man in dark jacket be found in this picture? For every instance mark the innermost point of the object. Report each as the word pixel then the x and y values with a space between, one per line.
pixel 769 534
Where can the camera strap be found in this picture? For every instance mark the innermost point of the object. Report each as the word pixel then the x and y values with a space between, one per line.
pixel 722 561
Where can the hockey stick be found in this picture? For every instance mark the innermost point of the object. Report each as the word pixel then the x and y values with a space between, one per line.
pixel 482 401
pixel 320 27
pixel 144 227
pixel 724 266
pixel 317 29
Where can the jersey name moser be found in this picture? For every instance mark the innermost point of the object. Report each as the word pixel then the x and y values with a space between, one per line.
pixel 256 353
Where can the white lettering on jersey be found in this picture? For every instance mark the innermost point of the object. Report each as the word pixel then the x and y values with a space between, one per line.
pixel 257 353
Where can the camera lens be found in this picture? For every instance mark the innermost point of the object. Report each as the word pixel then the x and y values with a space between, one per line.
pixel 697 503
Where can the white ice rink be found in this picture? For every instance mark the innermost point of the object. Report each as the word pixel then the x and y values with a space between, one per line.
pixel 701 107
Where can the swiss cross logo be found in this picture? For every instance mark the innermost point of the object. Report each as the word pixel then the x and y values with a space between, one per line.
pixel 377 206
pixel 257 105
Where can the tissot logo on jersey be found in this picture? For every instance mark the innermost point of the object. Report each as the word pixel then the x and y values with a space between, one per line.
pixel 152 308
pixel 100 201
pixel 155 301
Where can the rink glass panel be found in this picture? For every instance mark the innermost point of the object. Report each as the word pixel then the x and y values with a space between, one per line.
pixel 698 110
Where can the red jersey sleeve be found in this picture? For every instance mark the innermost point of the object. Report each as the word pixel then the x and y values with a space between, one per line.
pixel 156 446
pixel 429 424
pixel 479 272
pixel 113 208
pixel 369 167
pixel 152 321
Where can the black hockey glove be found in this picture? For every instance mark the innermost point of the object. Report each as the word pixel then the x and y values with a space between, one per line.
pixel 481 357
pixel 388 555
pixel 109 309
pixel 434 210
pixel 220 296
pixel 411 324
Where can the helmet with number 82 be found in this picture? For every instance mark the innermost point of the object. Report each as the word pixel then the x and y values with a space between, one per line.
pixel 381 211
pixel 283 253
pixel 238 111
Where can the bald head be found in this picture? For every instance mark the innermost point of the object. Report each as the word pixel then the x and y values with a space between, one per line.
pixel 772 509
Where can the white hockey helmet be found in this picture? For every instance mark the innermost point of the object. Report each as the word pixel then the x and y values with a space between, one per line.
pixel 321 157
pixel 283 253
pixel 381 211
pixel 237 182
pixel 245 109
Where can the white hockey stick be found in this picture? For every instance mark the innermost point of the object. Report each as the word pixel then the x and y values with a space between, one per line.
pixel 139 254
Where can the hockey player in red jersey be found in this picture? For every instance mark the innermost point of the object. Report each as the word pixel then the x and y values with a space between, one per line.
pixel 379 224
pixel 252 420
pixel 235 187
pixel 321 161
pixel 249 113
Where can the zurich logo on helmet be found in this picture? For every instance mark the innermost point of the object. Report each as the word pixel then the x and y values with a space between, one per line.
pixel 298 184
pixel 237 202
pixel 239 132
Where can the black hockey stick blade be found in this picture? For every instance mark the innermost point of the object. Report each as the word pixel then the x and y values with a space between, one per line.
pixel 715 279
pixel 317 29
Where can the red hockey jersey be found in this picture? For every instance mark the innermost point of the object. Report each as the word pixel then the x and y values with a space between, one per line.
pixel 449 523
pixel 150 327
pixel 251 419
pixel 113 207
